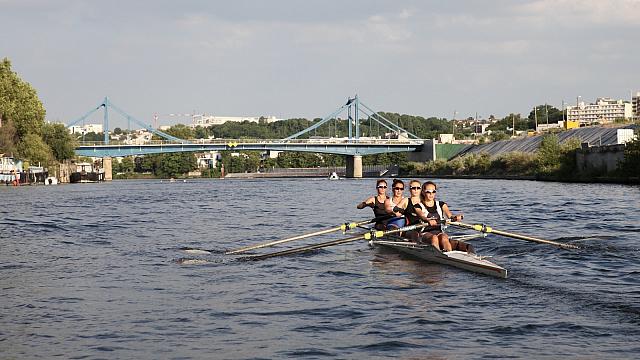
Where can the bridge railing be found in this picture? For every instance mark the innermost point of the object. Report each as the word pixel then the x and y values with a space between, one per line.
pixel 328 141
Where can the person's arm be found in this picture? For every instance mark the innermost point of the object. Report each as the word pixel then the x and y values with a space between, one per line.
pixel 449 215
pixel 387 206
pixel 400 209
pixel 366 203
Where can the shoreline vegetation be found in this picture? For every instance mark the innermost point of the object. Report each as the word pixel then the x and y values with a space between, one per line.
pixel 551 162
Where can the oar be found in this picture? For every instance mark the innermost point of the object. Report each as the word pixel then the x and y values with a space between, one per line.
pixel 487 229
pixel 343 227
pixel 366 236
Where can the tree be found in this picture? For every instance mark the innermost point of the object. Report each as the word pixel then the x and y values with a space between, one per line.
pixel 630 166
pixel 8 138
pixel 127 165
pixel 59 140
pixel 175 164
pixel 32 148
pixel 180 131
pixel 19 102
pixel 542 111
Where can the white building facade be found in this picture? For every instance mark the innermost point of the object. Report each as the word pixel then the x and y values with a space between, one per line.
pixel 207 120
pixel 603 111
pixel 85 129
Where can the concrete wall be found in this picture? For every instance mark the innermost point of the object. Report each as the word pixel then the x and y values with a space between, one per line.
pixel 428 152
pixel 602 159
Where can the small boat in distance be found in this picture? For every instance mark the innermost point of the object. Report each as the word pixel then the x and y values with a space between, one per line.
pixel 51 180
pixel 334 176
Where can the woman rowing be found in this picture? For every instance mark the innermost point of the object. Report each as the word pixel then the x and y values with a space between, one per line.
pixel 393 205
pixel 408 207
pixel 377 204
pixel 436 212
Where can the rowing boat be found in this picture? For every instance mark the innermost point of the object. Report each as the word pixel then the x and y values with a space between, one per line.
pixel 455 258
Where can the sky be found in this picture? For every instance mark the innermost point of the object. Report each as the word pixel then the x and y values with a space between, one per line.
pixel 293 59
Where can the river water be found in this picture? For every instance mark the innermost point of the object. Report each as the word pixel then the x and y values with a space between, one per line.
pixel 98 271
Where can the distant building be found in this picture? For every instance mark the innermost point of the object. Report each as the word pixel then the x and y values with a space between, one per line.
pixel 206 120
pixel 85 129
pixel 603 111
pixel 446 139
pixel 480 128
pixel 635 106
pixel 208 160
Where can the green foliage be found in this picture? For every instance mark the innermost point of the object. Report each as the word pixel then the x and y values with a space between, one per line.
pixel 180 131
pixel 498 135
pixel 630 166
pixel 166 165
pixel 59 140
pixel 548 155
pixel 514 163
pixel 90 136
pixel 8 138
pixel 299 160
pixel 508 122
pixel 553 158
pixel 241 162
pixel 19 102
pixel 33 149
pixel 175 164
pixel 125 166
pixel 477 164
pixel 543 112
pixel 210 173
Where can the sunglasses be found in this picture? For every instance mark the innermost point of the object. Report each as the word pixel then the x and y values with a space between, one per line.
pixel 381 187
pixel 415 188
pixel 398 188
pixel 429 191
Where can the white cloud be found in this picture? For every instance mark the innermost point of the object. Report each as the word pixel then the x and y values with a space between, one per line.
pixel 582 13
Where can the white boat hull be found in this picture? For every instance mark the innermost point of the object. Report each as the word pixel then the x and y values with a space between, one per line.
pixel 459 259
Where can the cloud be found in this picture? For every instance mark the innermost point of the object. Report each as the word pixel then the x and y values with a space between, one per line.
pixel 581 13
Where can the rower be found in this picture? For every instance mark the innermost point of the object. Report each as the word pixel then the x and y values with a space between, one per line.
pixel 408 207
pixel 435 214
pixel 393 205
pixel 377 203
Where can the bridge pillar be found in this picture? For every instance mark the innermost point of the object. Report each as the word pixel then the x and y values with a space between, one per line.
pixel 354 166
pixel 106 166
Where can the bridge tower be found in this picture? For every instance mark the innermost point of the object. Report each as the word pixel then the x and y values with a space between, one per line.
pixel 354 107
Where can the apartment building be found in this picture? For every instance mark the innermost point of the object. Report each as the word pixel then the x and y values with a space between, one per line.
pixel 603 111
pixel 635 106
pixel 85 129
pixel 206 120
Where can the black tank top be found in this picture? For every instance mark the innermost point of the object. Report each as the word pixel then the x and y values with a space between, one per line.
pixel 411 215
pixel 432 212
pixel 378 207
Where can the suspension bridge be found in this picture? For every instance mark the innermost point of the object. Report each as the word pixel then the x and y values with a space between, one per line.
pixel 353 146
